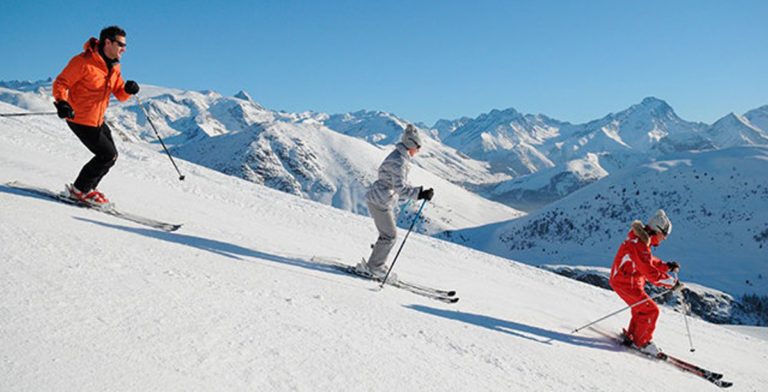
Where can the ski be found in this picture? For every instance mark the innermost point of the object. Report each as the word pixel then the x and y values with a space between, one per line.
pixel 445 293
pixel 713 377
pixel 110 210
pixel 446 296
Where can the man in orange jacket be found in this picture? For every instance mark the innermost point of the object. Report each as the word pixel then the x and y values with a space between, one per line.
pixel 82 92
pixel 632 266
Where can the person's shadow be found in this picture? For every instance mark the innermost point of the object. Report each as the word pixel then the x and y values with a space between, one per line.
pixel 536 334
pixel 222 248
pixel 217 247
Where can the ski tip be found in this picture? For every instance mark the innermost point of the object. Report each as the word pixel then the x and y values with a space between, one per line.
pixel 724 384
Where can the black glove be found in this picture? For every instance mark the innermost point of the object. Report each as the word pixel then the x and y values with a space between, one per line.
pixel 673 266
pixel 64 109
pixel 426 194
pixel 678 286
pixel 131 87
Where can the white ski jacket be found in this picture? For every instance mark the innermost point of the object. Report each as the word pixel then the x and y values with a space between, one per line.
pixel 391 185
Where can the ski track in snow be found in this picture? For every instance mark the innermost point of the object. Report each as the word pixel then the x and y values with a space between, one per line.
pixel 89 302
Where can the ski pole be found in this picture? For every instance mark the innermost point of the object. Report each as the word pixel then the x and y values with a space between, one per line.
pixel 622 309
pixel 685 317
pixel 418 214
pixel 27 114
pixel 146 113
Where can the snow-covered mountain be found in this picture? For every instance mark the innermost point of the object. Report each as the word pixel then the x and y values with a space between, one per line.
pixel 299 153
pixel 734 130
pixel 294 152
pixel 508 140
pixel 524 161
pixel 758 118
pixel 650 127
pixel 309 160
pixel 533 191
pixel 189 116
pixel 376 127
pixel 550 159
pixel 445 128
pixel 717 201
pixel 385 129
pixel 233 301
pixel 32 96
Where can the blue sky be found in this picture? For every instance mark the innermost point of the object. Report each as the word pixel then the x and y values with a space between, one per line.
pixel 421 60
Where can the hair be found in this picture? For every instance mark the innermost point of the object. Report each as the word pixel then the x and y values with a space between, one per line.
pixel 110 33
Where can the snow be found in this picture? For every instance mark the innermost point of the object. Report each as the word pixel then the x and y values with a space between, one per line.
pixel 89 302
pixel 292 152
pixel 735 130
pixel 663 166
pixel 385 130
pixel 758 118
pixel 310 160
pixel 716 201
pixel 755 332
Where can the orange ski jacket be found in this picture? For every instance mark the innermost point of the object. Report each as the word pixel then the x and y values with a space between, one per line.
pixel 86 83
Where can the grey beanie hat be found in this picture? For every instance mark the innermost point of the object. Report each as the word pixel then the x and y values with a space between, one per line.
pixel 411 137
pixel 660 223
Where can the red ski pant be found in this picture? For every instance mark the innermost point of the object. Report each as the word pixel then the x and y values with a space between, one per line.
pixel 644 315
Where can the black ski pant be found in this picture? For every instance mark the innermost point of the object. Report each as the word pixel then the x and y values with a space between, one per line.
pixel 99 142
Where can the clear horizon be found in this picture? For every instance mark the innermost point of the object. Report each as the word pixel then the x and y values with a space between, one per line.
pixel 421 60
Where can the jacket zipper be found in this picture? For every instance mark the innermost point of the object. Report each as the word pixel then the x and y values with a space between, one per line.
pixel 106 96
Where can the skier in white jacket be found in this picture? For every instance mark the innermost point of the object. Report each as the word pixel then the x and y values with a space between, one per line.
pixel 382 198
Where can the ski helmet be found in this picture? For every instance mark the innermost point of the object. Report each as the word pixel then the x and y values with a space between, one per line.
pixel 411 137
pixel 660 223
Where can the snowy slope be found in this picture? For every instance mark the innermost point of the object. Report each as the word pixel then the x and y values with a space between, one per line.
pixel 310 160
pixel 538 189
pixel 716 200
pixel 89 302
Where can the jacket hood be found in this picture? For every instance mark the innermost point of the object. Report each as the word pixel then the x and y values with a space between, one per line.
pixel 92 45
pixel 638 228
pixel 91 48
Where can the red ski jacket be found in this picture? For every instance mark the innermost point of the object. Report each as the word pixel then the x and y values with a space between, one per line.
pixel 634 263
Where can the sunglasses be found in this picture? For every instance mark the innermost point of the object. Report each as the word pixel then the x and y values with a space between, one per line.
pixel 120 44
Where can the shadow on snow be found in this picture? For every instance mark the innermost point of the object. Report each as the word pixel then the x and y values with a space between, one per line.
pixel 221 248
pixel 536 334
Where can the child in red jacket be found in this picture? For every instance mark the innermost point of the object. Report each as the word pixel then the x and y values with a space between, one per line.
pixel 632 266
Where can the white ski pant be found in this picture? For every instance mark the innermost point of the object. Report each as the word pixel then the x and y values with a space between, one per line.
pixel 384 219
